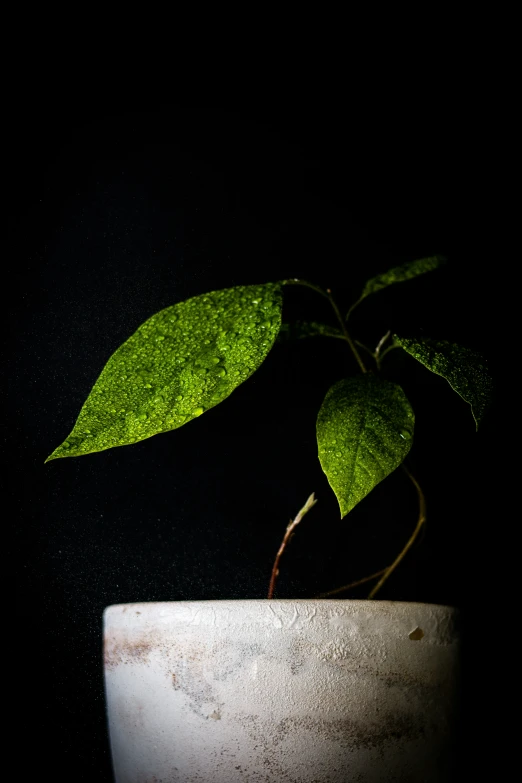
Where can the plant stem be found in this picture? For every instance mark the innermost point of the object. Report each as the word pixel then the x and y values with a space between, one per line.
pixel 298 281
pixel 420 521
pixel 387 350
pixel 345 331
pixel 288 534
pixel 379 346
pixel 352 308
pixel 328 295
pixel 352 584
pixel 362 345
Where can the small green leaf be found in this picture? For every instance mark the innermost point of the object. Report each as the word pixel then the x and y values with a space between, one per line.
pixel 182 361
pixel 297 330
pixel 364 432
pixel 399 274
pixel 464 369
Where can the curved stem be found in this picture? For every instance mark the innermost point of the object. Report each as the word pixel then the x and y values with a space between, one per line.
pixel 298 281
pixel 352 584
pixel 420 521
pixel 352 308
pixel 288 535
pixel 388 349
pixel 378 349
pixel 345 331
pixel 328 295
pixel 362 345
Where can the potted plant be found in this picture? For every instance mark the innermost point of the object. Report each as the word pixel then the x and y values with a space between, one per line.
pixel 326 689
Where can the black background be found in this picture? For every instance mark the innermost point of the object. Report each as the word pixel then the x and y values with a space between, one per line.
pixel 118 212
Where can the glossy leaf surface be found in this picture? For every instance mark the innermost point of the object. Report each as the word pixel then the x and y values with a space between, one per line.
pixel 364 431
pixel 464 369
pixel 181 362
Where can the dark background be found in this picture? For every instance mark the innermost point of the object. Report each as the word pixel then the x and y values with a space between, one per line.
pixel 116 213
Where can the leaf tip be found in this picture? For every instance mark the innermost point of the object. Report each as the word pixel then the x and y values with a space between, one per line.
pixel 343 508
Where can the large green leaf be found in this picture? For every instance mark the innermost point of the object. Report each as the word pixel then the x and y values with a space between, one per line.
pixel 464 369
pixel 182 361
pixel 364 431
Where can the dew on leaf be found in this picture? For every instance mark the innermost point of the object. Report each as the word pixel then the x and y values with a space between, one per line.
pixel 194 364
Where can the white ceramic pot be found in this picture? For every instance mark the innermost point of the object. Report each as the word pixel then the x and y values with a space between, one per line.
pixel 301 691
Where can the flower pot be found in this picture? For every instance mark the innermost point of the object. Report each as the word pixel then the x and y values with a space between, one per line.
pixel 322 691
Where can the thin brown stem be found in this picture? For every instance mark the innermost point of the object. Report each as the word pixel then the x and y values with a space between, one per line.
pixel 307 284
pixel 420 521
pixel 288 535
pixel 352 584
pixel 328 295
pixel 362 345
pixel 345 331
pixel 352 308
pixel 387 350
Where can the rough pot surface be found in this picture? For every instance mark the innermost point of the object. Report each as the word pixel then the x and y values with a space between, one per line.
pixel 297 691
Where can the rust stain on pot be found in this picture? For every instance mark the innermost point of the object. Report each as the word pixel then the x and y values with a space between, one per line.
pixel 116 652
pixel 389 728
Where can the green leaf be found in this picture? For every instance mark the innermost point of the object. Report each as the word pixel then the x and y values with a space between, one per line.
pixel 182 361
pixel 399 274
pixel 464 369
pixel 297 330
pixel 364 432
